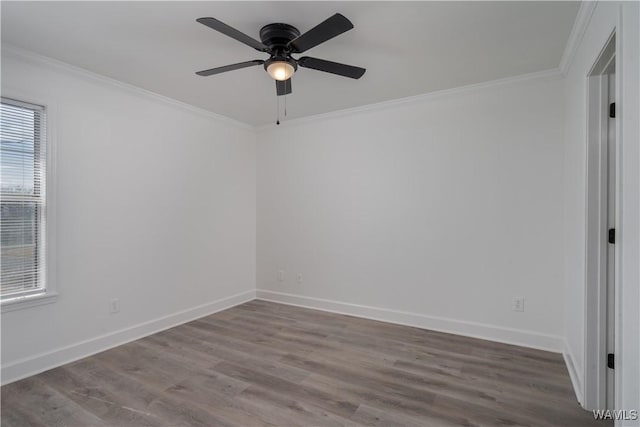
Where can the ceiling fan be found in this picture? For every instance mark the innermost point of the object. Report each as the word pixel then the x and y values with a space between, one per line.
pixel 280 41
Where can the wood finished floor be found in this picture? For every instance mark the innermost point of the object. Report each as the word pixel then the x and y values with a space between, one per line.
pixel 267 364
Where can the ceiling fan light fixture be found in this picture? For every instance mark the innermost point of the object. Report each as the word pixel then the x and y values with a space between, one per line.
pixel 280 70
pixel 280 41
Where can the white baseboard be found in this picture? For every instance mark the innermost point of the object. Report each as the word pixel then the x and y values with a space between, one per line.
pixel 42 362
pixel 471 329
pixel 574 374
pixel 39 363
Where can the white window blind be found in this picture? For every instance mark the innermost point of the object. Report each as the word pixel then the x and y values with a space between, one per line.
pixel 22 198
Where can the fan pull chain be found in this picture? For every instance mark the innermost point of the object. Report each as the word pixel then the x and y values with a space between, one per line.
pixel 285 105
pixel 278 109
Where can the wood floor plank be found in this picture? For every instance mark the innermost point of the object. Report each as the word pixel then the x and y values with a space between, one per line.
pixel 218 395
pixel 101 400
pixel 230 351
pixel 372 416
pixel 263 364
pixel 45 406
pixel 296 412
pixel 295 391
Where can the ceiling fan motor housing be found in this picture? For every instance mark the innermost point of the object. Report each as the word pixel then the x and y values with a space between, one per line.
pixel 277 36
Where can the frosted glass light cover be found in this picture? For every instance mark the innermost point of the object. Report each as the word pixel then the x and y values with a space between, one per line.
pixel 280 70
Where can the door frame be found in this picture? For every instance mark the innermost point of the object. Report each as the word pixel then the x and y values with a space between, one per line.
pixel 595 344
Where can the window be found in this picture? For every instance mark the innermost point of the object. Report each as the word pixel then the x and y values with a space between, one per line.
pixel 23 163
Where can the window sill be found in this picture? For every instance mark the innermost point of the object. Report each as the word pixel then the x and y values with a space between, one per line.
pixel 20 303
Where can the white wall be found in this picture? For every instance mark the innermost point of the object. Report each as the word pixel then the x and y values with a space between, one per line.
pixel 434 212
pixel 606 17
pixel 156 207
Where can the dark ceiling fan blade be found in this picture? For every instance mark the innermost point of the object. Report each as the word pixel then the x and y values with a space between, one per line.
pixel 214 24
pixel 231 67
pixel 331 67
pixel 283 87
pixel 326 30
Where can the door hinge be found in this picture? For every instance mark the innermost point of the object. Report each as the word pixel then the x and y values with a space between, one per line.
pixel 612 110
pixel 612 235
pixel 610 361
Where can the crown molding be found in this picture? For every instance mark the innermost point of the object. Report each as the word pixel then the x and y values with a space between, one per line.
pixel 551 74
pixel 35 58
pixel 577 33
pixel 38 59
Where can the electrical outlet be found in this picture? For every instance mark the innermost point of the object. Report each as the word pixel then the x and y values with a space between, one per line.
pixel 299 278
pixel 517 304
pixel 114 306
pixel 280 276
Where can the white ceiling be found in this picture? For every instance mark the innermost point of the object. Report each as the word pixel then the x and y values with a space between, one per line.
pixel 408 48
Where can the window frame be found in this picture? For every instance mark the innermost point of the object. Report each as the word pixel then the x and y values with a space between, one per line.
pixel 50 292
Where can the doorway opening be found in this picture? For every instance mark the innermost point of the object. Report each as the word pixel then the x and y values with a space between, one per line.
pixel 602 156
